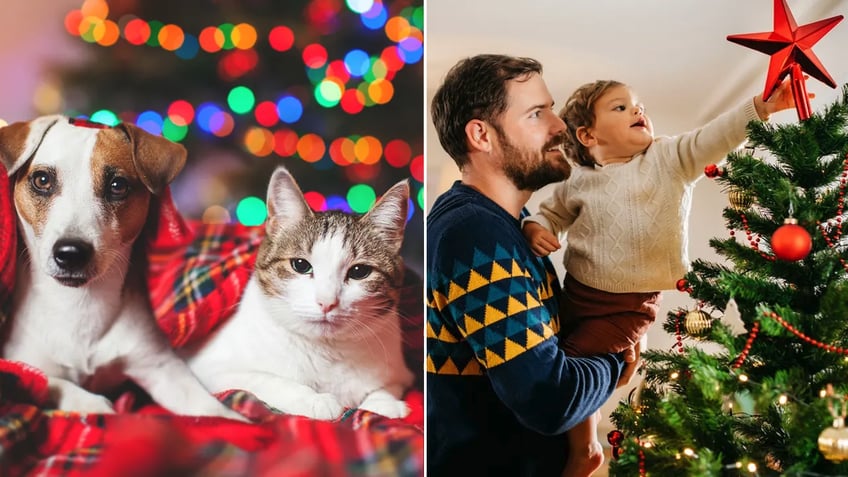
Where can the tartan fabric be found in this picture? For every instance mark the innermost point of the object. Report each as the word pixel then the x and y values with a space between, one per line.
pixel 152 442
pixel 196 275
pixel 196 272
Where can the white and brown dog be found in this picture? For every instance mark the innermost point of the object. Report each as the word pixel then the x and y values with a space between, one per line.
pixel 80 311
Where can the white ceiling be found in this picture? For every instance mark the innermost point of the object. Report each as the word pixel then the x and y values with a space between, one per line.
pixel 675 54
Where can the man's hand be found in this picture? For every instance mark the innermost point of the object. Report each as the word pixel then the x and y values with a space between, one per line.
pixel 632 358
pixel 541 241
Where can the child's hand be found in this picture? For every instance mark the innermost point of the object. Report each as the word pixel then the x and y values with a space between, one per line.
pixel 541 241
pixel 779 100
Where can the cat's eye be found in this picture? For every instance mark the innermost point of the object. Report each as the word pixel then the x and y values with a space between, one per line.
pixel 301 266
pixel 359 272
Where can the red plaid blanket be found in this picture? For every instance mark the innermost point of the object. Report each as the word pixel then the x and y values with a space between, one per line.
pixel 197 273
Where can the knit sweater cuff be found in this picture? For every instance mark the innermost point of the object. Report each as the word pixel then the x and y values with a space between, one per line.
pixel 539 219
pixel 751 112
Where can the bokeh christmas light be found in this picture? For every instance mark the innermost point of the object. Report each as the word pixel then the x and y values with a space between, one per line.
pixel 332 118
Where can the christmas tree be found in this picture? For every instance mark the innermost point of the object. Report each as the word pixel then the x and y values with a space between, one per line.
pixel 332 89
pixel 757 380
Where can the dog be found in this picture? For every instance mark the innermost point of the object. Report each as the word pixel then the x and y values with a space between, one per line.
pixel 80 309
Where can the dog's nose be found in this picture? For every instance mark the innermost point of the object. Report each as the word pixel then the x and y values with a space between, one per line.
pixel 72 255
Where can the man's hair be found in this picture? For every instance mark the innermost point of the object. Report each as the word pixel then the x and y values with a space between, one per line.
pixel 579 111
pixel 475 88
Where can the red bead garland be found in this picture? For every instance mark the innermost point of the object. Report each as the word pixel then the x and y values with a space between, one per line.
pixel 752 335
pixel 755 243
pixel 833 349
pixel 831 241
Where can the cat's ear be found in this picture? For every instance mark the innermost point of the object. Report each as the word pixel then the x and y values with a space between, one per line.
pixel 286 205
pixel 389 213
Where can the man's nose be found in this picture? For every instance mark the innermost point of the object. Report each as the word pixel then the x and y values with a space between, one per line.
pixel 558 125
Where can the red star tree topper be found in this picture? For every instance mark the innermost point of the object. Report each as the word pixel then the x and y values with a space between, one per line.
pixel 791 50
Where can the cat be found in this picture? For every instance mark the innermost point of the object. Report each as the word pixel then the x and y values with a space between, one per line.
pixel 317 329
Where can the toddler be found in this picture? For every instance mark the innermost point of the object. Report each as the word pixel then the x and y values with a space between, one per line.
pixel 626 212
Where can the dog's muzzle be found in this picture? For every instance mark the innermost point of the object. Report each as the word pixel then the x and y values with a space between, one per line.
pixel 72 256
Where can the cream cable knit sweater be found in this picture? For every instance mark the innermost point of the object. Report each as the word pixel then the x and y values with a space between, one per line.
pixel 627 223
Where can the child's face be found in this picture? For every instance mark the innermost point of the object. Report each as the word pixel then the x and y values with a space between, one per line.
pixel 621 129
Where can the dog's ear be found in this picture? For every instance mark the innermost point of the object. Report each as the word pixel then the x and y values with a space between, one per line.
pixel 19 141
pixel 157 159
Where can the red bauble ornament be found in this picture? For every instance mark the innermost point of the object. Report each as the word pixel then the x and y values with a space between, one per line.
pixel 712 171
pixel 791 242
pixel 682 285
pixel 790 48
pixel 615 437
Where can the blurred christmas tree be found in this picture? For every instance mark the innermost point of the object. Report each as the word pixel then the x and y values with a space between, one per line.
pixel 331 89
pixel 763 391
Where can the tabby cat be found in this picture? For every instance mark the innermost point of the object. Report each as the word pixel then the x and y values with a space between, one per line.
pixel 317 329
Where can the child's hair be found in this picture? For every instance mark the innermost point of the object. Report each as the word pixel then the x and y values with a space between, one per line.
pixel 579 111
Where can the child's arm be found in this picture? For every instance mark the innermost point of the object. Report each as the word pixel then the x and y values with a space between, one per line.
pixel 781 99
pixel 709 144
pixel 541 241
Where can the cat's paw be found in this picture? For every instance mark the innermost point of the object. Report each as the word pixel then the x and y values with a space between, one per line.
pixel 391 408
pixel 324 406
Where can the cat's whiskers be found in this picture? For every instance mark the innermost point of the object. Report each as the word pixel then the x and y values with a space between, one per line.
pixel 365 325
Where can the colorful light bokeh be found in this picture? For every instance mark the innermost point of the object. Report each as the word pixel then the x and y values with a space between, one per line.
pixel 251 211
pixel 361 197
pixel 351 80
pixel 372 72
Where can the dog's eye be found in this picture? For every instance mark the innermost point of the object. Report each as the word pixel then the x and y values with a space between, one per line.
pixel 359 272
pixel 41 181
pixel 119 188
pixel 301 266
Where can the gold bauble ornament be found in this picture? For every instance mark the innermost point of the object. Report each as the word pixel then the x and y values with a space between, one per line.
pixel 739 199
pixel 697 324
pixel 833 441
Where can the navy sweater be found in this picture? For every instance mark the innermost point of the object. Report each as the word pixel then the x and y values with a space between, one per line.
pixel 500 392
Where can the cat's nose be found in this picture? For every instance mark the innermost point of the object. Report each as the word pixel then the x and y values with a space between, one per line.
pixel 327 305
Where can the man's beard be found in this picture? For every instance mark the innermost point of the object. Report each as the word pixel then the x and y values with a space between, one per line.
pixel 530 170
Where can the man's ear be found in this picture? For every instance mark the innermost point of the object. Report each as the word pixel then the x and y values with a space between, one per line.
pixel 478 134
pixel 585 136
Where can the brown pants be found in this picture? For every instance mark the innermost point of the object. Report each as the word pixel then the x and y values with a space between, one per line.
pixel 594 321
